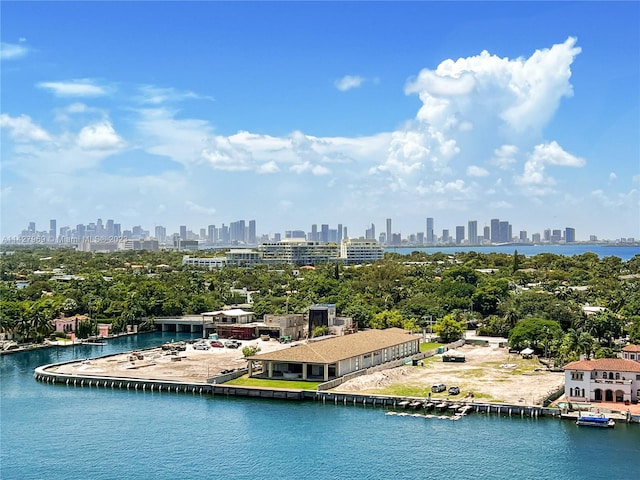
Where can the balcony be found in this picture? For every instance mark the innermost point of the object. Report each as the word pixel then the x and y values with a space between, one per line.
pixel 602 381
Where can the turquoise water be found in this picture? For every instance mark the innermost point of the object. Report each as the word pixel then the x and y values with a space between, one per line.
pixel 62 432
pixel 624 252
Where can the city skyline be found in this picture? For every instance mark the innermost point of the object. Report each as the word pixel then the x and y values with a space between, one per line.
pixel 494 231
pixel 171 113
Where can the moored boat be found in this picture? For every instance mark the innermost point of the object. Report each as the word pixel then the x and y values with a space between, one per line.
pixel 595 420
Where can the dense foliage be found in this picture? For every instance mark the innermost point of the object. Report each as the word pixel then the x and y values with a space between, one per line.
pixel 535 301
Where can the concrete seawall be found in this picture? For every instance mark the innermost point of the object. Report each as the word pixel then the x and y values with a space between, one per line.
pixel 44 374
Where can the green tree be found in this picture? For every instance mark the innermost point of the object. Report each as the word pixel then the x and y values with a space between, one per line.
pixel 449 329
pixel 535 333
pixel 387 319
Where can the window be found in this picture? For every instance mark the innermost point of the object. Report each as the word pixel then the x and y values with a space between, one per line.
pixel 633 356
pixel 617 376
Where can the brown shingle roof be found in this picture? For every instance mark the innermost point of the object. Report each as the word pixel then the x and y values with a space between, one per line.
pixel 613 364
pixel 335 349
pixel 631 348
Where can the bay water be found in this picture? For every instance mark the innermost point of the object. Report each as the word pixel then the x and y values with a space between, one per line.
pixel 73 433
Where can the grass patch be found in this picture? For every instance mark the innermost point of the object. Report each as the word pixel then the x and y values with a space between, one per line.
pixel 246 381
pixel 403 391
pixel 424 347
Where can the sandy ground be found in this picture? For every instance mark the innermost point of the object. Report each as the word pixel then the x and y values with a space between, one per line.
pixel 490 373
pixel 193 366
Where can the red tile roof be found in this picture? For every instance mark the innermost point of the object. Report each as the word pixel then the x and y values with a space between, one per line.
pixel 606 364
pixel 631 348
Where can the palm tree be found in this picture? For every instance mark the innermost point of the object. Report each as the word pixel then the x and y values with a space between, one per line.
pixel 586 344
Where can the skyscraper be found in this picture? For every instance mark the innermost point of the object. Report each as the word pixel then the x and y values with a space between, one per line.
pixel 388 237
pixel 251 237
pixel 161 233
pixel 495 230
pixel 52 229
pixel 370 233
pixel 183 232
pixel 569 235
pixel 473 232
pixel 430 239
pixel 459 234
pixel 324 233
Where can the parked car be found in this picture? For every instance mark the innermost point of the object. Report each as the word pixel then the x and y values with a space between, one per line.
pixel 454 390
pixel 200 346
pixel 438 387
pixel 232 344
pixel 216 344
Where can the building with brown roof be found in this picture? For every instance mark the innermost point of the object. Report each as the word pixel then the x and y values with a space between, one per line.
pixel 334 357
pixel 631 352
pixel 604 379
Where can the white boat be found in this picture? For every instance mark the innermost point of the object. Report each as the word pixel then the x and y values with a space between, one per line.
pixel 595 420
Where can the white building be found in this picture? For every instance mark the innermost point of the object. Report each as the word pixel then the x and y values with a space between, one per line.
pixel 299 252
pixel 358 251
pixel 206 262
pixel 631 352
pixel 602 380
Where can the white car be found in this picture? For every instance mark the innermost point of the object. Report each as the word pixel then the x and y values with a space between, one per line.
pixel 200 346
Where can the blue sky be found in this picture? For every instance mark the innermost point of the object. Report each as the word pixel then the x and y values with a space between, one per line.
pixel 298 113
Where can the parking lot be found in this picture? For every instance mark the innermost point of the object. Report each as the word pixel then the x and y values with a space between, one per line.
pixel 184 362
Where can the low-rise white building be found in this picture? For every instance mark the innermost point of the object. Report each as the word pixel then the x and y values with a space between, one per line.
pixel 631 352
pixel 602 380
pixel 357 251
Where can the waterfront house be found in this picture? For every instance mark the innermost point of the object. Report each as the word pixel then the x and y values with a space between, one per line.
pixel 334 357
pixel 604 379
pixel 631 352
pixel 67 324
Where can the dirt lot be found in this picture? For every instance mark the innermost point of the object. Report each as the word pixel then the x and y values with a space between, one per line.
pixel 158 364
pixel 490 373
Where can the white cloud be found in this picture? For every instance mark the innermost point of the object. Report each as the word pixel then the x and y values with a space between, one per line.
pixel 22 129
pixel 75 88
pixel 612 177
pixel 10 51
pixel 504 156
pixel 348 82
pixel 154 95
pixel 100 136
pixel 269 167
pixel 534 168
pixel 194 207
pixel 475 171
pixel 628 200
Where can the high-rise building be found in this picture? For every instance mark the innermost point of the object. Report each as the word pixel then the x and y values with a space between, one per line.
pixel 314 233
pixel 569 235
pixel 52 229
pixel 430 238
pixel 504 232
pixel 339 233
pixel 445 236
pixel 237 232
pixel 109 227
pixel 388 236
pixel 556 236
pixel 495 230
pixel 547 235
pixel 523 235
pixel 117 230
pixel 473 232
pixel 211 234
pixel 161 233
pixel 535 238
pixel 183 232
pixel 324 233
pixel 251 236
pixel 32 227
pixel 370 233
pixel 459 234
pixel 344 233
